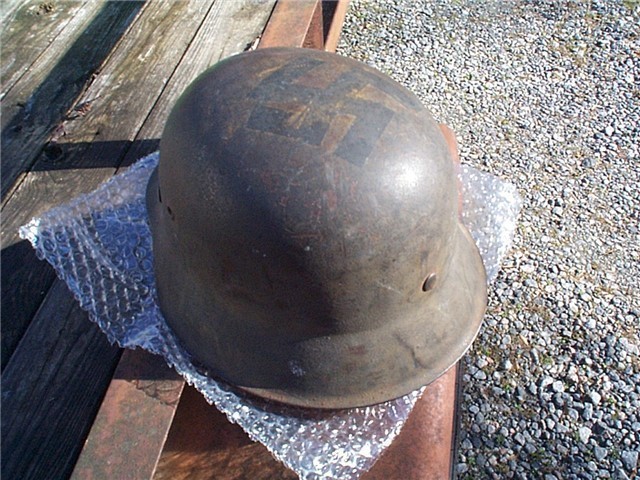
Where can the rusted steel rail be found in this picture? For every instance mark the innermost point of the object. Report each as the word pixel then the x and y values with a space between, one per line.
pixel 131 427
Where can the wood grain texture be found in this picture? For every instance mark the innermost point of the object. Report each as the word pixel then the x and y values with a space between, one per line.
pixel 49 389
pixel 32 111
pixel 9 9
pixel 23 290
pixel 27 33
pixel 93 144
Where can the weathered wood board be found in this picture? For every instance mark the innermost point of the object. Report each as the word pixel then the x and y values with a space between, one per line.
pixel 142 398
pixel 33 109
pixel 94 134
pixel 28 29
pixel 93 145
pixel 49 389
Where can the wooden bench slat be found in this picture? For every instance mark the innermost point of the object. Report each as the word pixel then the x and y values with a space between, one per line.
pixel 94 144
pixel 40 101
pixel 425 442
pixel 49 389
pixel 27 32
pixel 23 290
pixel 52 86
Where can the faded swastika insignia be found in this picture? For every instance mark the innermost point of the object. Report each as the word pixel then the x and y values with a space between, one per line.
pixel 274 120
pixel 289 105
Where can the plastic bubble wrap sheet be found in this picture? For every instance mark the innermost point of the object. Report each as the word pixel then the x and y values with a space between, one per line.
pixel 100 245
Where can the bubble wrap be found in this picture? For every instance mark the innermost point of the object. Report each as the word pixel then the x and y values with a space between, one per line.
pixel 100 245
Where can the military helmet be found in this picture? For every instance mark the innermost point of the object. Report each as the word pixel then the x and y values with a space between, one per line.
pixel 306 236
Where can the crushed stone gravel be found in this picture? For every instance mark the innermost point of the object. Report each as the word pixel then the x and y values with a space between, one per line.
pixel 545 94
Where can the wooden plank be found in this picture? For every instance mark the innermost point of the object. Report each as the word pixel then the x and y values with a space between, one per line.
pixel 229 28
pixel 91 33
pixel 94 143
pixel 52 388
pixel 8 9
pixel 315 32
pixel 33 108
pixel 134 419
pixel 23 290
pixel 28 31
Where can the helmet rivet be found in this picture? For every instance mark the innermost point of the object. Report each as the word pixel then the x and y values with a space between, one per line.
pixel 429 282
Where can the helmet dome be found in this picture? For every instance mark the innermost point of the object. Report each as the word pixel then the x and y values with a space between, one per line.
pixel 305 227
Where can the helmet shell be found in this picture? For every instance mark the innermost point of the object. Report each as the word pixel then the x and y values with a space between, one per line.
pixel 305 229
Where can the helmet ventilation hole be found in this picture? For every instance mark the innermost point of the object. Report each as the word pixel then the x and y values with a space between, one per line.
pixel 159 195
pixel 429 282
pixel 170 212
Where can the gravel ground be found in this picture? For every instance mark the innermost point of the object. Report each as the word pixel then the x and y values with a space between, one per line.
pixel 545 94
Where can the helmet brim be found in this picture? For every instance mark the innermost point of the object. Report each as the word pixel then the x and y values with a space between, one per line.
pixel 365 367
pixel 459 301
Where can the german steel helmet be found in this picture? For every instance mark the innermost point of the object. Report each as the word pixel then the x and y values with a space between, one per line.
pixel 306 237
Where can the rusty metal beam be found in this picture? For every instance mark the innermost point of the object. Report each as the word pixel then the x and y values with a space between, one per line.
pixel 294 23
pixel 424 447
pixel 333 25
pixel 133 422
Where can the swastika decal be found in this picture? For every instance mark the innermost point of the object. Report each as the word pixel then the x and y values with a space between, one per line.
pixel 301 99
